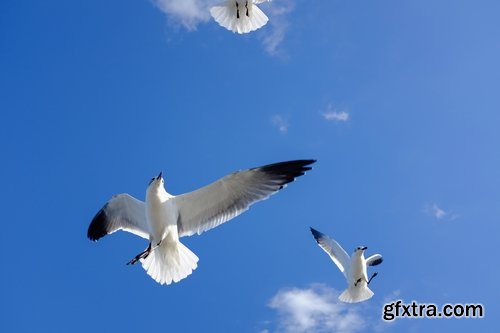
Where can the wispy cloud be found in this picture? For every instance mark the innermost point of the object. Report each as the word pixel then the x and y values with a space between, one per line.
pixel 314 310
pixel 336 115
pixel 332 114
pixel 188 13
pixel 439 213
pixel 280 122
pixel 279 23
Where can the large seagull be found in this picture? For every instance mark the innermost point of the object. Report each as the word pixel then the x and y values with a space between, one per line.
pixel 353 268
pixel 163 218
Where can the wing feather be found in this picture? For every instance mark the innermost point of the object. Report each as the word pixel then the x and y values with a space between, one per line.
pixel 233 194
pixel 334 250
pixel 122 212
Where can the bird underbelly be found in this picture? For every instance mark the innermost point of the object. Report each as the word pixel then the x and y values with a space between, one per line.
pixel 358 272
pixel 163 223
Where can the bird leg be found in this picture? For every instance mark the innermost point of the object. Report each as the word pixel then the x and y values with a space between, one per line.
pixel 357 281
pixel 237 10
pixel 141 255
pixel 373 275
pixel 246 6
pixel 144 254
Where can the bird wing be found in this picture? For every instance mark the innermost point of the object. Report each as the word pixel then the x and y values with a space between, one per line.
pixel 122 212
pixel 334 250
pixel 233 194
pixel 374 260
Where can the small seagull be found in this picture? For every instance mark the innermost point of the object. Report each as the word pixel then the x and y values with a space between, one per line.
pixel 163 217
pixel 241 16
pixel 353 268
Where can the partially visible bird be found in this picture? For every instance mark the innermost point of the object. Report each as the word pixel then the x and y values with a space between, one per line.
pixel 163 217
pixel 241 16
pixel 353 268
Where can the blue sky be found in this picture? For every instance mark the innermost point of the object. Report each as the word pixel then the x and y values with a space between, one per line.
pixel 398 101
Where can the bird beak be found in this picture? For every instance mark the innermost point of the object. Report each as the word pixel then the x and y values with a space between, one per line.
pixel 160 175
pixel 364 248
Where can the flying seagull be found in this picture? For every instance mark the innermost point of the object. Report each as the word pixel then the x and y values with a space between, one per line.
pixel 163 217
pixel 353 268
pixel 241 16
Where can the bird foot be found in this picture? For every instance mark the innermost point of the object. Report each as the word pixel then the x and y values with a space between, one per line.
pixel 373 275
pixel 143 255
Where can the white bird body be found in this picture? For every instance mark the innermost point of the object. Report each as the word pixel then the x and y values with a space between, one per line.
pixel 354 268
pixel 357 268
pixel 240 16
pixel 169 261
pixel 159 213
pixel 163 217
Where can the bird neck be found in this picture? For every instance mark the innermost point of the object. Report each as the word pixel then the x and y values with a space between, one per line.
pixel 157 193
pixel 359 255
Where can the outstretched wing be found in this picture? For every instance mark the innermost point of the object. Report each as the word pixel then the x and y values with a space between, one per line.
pixel 374 260
pixel 334 250
pixel 233 194
pixel 122 212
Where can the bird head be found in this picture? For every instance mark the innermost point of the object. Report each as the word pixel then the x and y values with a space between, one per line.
pixel 360 250
pixel 156 182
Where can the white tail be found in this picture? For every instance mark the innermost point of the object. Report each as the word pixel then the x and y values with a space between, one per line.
pixel 170 262
pixel 356 294
pixel 237 20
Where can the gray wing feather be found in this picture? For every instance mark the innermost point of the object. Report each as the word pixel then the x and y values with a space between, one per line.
pixel 334 250
pixel 122 212
pixel 233 194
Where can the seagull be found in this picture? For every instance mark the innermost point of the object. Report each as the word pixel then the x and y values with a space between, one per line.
pixel 241 16
pixel 163 218
pixel 353 268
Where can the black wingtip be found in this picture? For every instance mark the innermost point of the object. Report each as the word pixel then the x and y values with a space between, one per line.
pixel 97 227
pixel 288 170
pixel 316 234
pixel 377 262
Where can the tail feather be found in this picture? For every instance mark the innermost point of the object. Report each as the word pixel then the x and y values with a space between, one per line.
pixel 170 262
pixel 227 17
pixel 356 294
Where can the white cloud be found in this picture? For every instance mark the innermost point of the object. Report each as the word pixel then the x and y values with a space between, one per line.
pixel 280 122
pixel 314 310
pixel 273 38
pixel 439 213
pixel 336 116
pixel 331 114
pixel 188 13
